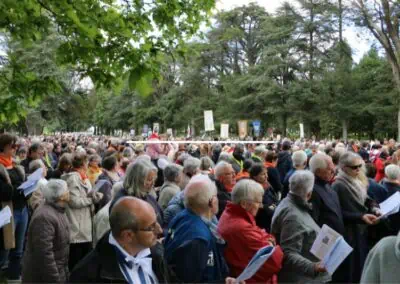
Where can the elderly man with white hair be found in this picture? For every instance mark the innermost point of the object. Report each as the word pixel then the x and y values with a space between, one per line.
pixel 326 205
pixel 244 238
pixel 193 248
pixel 391 181
pixel 299 159
pixel 224 175
pixel 296 231
pixel 47 248
pixel 391 184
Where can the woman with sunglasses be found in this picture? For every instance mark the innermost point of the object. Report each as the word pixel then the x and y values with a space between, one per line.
pixel 11 177
pixel 359 211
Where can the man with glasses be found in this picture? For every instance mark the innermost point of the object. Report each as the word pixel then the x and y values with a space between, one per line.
pixel 129 252
pixel 193 248
pixel 224 175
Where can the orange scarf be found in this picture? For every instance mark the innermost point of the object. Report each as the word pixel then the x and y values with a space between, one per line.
pixel 81 173
pixel 6 161
pixel 228 188
pixel 242 175
pixel 269 165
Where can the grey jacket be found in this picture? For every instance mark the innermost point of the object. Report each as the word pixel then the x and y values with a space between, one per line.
pixel 167 192
pixel 296 231
pixel 80 208
pixel 383 262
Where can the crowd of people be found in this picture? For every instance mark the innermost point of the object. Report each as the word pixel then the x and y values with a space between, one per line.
pixel 110 211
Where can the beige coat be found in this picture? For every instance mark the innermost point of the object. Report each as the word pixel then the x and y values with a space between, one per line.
pixel 80 208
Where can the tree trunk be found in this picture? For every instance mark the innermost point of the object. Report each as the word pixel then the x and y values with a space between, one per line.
pixel 396 77
pixel 344 130
pixel 284 124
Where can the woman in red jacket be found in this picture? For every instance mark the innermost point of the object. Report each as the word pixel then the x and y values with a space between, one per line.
pixel 244 238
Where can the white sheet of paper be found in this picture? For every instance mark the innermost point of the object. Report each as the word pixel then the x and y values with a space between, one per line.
pixel 36 175
pixel 31 184
pixel 261 256
pixel 324 242
pixel 5 216
pixel 338 254
pixel 331 248
pixel 391 205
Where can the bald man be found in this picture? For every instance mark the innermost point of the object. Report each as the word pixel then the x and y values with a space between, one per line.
pixel 192 247
pixel 129 252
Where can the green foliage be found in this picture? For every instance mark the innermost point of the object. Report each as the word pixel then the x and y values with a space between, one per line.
pixel 104 40
pixel 283 69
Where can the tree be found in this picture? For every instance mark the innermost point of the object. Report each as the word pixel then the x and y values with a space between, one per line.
pixel 382 20
pixel 106 40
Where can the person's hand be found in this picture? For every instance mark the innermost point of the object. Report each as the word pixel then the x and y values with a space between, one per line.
pixel 377 212
pixel 97 196
pixel 231 280
pixel 271 241
pixel 369 219
pixel 319 268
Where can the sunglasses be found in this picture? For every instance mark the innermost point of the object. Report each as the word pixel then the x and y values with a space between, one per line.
pixel 355 167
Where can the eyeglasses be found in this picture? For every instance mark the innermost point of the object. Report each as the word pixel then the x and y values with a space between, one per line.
pixel 152 228
pixel 355 167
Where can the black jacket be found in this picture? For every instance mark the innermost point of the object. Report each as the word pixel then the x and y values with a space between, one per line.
pixel 223 196
pixel 326 206
pixel 327 210
pixel 285 164
pixel 364 155
pixel 274 179
pixel 355 228
pixel 101 265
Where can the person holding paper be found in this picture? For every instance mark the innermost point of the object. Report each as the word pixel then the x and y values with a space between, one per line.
pixel 37 199
pixel 244 238
pixel 46 256
pixel 296 231
pixel 391 183
pixel 12 235
pixel 359 211
pixel 326 205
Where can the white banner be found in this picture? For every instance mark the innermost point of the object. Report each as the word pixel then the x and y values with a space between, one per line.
pixel 301 130
pixel 208 120
pixel 242 125
pixel 224 130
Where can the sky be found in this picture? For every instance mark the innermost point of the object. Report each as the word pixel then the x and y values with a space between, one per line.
pixel 358 40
